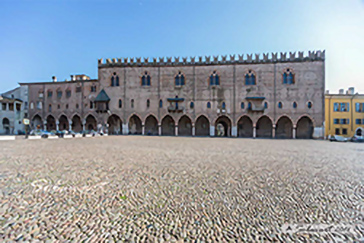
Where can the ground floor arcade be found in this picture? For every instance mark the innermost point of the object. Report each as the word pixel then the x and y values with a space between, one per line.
pixel 264 127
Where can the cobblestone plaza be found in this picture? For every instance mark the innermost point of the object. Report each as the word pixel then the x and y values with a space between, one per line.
pixel 148 189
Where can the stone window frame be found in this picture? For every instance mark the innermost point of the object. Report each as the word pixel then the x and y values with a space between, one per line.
pixel 180 74
pixel 250 72
pixel 114 80
pixel 287 71
pixel 294 105
pixel 192 105
pixel 309 104
pixel 214 73
pixel 68 93
pixel 59 91
pixel 146 74
pixel 265 104
pixel 280 105
pixel 49 93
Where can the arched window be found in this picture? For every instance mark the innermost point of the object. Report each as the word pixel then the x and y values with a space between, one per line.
pixel 50 108
pixel 192 105
pixel 31 105
pixel 58 106
pixel 66 106
pixel 309 105
pixel 265 105
pixel 91 105
pixel 120 103
pixel 59 93
pixel 77 106
pixel 132 103
pixel 288 76
pixel 249 106
pixel 160 103
pixel 179 80
pixel 280 105
pixel 242 105
pixel 250 78
pixel 214 79
pixel 208 105
pixel 68 93
pixel 223 106
pixel 294 105
pixel 114 80
pixel 148 103
pixel 146 80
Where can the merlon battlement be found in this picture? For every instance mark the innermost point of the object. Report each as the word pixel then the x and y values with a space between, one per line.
pixel 215 60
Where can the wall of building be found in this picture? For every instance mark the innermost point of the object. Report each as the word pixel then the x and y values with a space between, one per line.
pixel 232 90
pixel 352 115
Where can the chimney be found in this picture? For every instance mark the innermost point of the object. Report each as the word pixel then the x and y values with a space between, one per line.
pixel 341 91
pixel 73 78
pixel 351 90
pixel 54 78
pixel 327 91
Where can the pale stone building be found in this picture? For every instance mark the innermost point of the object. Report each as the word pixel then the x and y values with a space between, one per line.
pixel 12 111
pixel 272 95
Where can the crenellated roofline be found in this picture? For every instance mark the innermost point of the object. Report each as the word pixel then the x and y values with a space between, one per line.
pixel 214 60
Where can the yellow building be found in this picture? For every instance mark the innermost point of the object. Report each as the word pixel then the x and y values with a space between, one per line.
pixel 344 114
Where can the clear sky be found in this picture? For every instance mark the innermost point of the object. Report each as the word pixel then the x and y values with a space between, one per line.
pixel 39 39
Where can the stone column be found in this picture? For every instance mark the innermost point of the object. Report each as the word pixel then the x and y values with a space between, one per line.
pixel 45 125
pixel 57 125
pixel 294 132
pixel 176 129
pixel 84 125
pixel 143 129
pixel 70 126
pixel 159 129
pixel 212 131
pixel 193 129
pixel 125 129
pixel 254 131
pixel 273 131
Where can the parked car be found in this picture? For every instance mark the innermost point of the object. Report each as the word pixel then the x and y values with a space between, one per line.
pixel 357 139
pixel 337 138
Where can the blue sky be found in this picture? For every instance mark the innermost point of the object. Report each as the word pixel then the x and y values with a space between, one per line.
pixel 40 39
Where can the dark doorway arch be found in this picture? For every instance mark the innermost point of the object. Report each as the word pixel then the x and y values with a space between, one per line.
pixel 359 132
pixel 245 127
pixel 264 127
pixel 6 125
pixel 185 126
pixel 135 125
pixel 63 123
pixel 151 125
pixel 51 123
pixel 202 126
pixel 304 128
pixel 284 128
pixel 223 127
pixel 76 124
pixel 115 124
pixel 91 123
pixel 168 126
pixel 37 122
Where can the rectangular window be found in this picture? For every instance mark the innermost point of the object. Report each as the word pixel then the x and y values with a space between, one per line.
pixel 68 93
pixel 4 106
pixel 50 93
pixel 336 121
pixel 345 131
pixel 344 107
pixel 59 94
pixel 358 121
pixel 11 106
pixel 359 107
pixel 344 121
pixel 336 106
pixel 93 88
pixel 78 89
pixel 337 131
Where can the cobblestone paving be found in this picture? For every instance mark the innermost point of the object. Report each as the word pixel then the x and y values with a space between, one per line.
pixel 153 189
